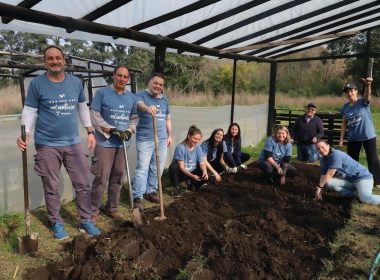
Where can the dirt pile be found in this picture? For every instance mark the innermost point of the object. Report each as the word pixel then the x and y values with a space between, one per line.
pixel 240 229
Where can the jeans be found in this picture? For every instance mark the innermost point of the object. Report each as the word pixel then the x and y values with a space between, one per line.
pixel 145 179
pixel 307 152
pixel 348 189
pixel 353 150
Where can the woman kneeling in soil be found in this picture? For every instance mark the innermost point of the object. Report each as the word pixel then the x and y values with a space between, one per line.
pixel 213 150
pixel 275 157
pixel 341 173
pixel 188 163
pixel 233 156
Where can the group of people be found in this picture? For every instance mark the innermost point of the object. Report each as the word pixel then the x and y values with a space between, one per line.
pixel 55 100
pixel 196 164
pixel 340 172
pixel 53 104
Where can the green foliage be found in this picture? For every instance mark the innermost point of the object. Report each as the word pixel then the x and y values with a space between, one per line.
pixel 184 274
pixel 10 228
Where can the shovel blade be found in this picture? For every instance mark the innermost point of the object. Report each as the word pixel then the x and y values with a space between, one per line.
pixel 28 244
pixel 136 217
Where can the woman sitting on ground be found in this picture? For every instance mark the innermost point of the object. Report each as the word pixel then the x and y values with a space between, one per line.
pixel 343 174
pixel 233 156
pixel 213 150
pixel 275 157
pixel 188 163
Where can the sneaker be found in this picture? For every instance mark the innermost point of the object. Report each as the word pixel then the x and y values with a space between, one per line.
pixel 116 215
pixel 59 232
pixel 137 203
pixel 152 197
pixel 176 193
pixel 89 228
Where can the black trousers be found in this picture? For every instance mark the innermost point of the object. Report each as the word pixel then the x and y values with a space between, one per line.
pixel 176 176
pixel 353 150
pixel 270 172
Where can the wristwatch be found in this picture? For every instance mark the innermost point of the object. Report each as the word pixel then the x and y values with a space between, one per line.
pixel 91 132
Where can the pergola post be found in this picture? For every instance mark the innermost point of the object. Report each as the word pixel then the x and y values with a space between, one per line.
pixel 233 92
pixel 272 97
pixel 159 58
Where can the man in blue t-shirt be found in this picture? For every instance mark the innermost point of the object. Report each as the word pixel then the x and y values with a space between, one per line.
pixel 151 103
pixel 55 100
pixel 114 116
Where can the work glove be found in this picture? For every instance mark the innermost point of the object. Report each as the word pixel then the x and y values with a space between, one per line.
pixel 122 135
pixel 243 166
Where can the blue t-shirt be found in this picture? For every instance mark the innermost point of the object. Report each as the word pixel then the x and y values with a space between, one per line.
pixel 278 150
pixel 359 120
pixel 214 153
pixel 144 130
pixel 116 110
pixel 57 114
pixel 190 158
pixel 346 167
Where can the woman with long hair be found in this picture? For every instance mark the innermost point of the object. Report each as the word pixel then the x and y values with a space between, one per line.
pixel 213 149
pixel 188 163
pixel 234 157
pixel 275 157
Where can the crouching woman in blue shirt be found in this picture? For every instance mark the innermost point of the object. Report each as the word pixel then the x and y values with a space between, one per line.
pixel 275 157
pixel 188 163
pixel 341 173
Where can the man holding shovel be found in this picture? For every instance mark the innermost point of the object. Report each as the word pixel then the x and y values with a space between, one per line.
pixel 114 116
pixel 151 103
pixel 55 100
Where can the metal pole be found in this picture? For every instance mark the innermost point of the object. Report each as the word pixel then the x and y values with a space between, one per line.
pixel 159 58
pixel 272 97
pixel 233 92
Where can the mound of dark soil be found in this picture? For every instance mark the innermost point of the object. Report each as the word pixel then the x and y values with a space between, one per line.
pixel 239 229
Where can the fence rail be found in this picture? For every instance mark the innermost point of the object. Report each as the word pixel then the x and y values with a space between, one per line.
pixel 331 123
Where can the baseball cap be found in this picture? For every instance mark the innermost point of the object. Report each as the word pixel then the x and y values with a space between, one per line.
pixel 312 105
pixel 349 86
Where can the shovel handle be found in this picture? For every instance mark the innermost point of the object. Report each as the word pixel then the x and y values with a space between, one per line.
pixel 158 168
pixel 370 67
pixel 25 183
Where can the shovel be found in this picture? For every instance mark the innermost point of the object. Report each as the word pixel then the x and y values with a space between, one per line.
pixel 29 242
pixel 162 215
pixel 135 212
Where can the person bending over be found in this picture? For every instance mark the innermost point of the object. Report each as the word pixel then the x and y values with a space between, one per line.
pixel 343 174
pixel 188 162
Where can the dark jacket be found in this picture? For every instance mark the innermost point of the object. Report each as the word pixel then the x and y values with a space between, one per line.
pixel 304 131
pixel 233 158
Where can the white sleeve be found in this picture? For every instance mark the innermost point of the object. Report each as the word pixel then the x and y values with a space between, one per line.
pixel 28 118
pixel 84 114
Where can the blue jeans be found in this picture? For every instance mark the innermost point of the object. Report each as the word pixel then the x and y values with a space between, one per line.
pixel 307 152
pixel 145 179
pixel 348 189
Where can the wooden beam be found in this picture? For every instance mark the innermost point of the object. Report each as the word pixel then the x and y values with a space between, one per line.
pixel 289 42
pixel 69 23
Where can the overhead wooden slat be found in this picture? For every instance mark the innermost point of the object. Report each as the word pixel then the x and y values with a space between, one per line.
pixel 284 24
pixel 105 9
pixel 216 18
pixel 337 22
pixel 177 13
pixel 242 23
pixel 24 4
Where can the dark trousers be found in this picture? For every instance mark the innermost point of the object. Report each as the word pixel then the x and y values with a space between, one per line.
pixel 176 176
pixel 244 157
pixel 353 150
pixel 270 172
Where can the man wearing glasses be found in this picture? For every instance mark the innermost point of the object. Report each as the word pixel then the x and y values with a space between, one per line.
pixel 308 129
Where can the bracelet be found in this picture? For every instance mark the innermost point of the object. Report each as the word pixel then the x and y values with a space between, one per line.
pixel 318 187
pixel 90 132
